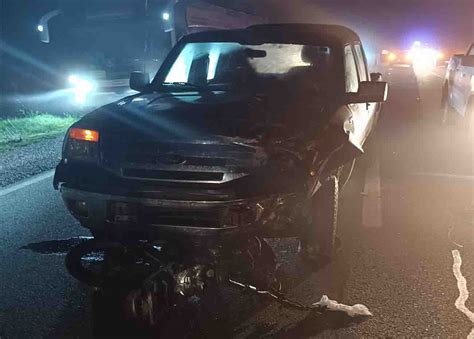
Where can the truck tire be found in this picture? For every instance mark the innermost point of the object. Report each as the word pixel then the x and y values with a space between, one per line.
pixel 344 174
pixel 318 243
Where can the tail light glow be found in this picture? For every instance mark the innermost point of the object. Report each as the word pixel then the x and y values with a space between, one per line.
pixel 392 57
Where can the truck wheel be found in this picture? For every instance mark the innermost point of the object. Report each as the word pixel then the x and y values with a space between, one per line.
pixel 344 174
pixel 318 244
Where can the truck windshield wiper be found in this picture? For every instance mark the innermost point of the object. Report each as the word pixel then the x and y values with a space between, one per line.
pixel 182 83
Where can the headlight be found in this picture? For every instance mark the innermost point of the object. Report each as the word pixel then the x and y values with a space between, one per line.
pixel 424 59
pixel 82 144
pixel 81 87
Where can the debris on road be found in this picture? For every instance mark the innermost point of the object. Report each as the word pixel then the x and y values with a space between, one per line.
pixel 276 295
pixel 352 311
pixel 463 291
pixel 325 304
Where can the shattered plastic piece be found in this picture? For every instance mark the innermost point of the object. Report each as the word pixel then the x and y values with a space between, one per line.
pixel 352 311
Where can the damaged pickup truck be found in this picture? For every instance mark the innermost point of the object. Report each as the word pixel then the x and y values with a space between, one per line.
pixel 242 134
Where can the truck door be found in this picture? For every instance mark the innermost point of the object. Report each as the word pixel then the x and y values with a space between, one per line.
pixel 461 88
pixel 467 81
pixel 455 95
pixel 360 115
pixel 371 108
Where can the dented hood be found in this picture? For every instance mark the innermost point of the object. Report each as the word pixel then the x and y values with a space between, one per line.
pixel 194 115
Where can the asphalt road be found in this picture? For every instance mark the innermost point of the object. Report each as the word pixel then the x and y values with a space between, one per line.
pixel 409 205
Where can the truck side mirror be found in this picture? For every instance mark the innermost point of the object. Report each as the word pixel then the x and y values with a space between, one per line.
pixel 369 92
pixel 375 77
pixel 467 61
pixel 139 81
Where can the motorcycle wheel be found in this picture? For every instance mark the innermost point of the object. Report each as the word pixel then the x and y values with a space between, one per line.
pixel 87 262
pixel 106 264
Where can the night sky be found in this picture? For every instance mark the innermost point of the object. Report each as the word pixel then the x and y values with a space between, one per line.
pixel 397 22
pixel 447 24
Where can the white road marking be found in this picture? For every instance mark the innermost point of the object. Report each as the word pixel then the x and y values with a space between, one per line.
pixel 446 176
pixel 372 204
pixel 463 291
pixel 26 183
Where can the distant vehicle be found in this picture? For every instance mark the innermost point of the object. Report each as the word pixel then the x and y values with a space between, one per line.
pixel 242 134
pixel 94 46
pixel 458 89
pixel 395 57
pixel 419 56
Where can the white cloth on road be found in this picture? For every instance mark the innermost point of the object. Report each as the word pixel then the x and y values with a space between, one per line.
pixel 352 311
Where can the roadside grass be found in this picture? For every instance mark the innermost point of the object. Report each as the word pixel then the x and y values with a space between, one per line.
pixel 32 128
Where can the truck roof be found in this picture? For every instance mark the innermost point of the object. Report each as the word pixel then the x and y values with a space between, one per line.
pixel 280 33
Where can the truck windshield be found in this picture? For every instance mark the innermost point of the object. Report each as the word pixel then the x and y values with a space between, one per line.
pixel 219 65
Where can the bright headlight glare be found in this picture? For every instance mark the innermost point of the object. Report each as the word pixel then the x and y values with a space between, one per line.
pixel 424 60
pixel 425 55
pixel 392 57
pixel 72 79
pixel 81 85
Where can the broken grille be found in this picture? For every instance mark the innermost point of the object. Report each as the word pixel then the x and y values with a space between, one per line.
pixel 188 162
pixel 172 175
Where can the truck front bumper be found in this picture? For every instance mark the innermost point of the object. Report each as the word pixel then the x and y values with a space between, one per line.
pixel 157 219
